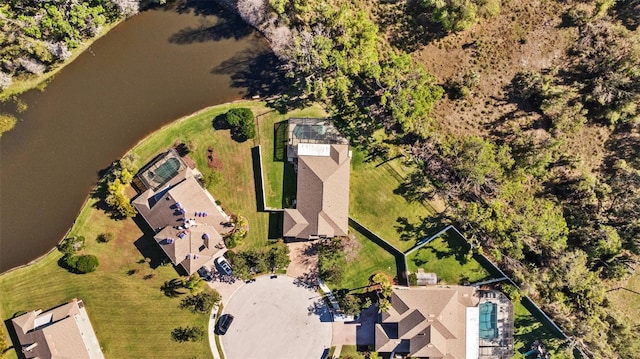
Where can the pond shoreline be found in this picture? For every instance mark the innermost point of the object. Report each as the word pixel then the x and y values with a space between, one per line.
pixel 128 152
pixel 153 70
pixel 19 87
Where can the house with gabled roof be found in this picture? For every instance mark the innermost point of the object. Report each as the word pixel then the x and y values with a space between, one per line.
pixel 61 332
pixel 446 322
pixel 322 160
pixel 187 222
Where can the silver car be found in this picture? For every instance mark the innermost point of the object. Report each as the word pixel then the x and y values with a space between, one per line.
pixel 223 265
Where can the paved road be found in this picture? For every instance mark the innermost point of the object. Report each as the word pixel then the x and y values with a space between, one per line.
pixel 274 318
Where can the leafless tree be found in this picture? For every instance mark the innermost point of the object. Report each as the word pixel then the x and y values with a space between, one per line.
pixel 5 80
pixel 32 65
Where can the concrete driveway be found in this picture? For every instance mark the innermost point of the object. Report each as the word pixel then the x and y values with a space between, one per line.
pixel 274 318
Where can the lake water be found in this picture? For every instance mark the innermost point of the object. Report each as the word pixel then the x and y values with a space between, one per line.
pixel 153 68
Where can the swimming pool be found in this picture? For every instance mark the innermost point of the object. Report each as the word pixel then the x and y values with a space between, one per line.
pixel 164 172
pixel 488 321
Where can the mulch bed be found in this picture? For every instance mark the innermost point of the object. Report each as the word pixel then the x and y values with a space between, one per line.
pixel 213 159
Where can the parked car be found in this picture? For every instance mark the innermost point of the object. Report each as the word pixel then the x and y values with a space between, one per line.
pixel 223 265
pixel 205 273
pixel 224 323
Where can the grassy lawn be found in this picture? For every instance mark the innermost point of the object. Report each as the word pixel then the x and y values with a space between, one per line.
pixel 373 203
pixel 528 328
pixel 626 297
pixel 130 314
pixel 371 259
pixel 350 352
pixel 446 256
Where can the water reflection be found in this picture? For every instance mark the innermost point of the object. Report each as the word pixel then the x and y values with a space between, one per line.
pixel 156 67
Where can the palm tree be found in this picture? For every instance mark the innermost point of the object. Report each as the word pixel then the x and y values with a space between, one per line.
pixel 195 284
pixel 171 287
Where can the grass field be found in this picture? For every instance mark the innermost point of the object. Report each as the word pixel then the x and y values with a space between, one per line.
pixel 627 296
pixel 447 257
pixel 371 259
pixel 528 328
pixel 130 314
pixel 373 203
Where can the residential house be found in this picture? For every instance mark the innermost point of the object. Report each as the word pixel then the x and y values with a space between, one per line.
pixel 322 160
pixel 61 332
pixel 446 322
pixel 187 222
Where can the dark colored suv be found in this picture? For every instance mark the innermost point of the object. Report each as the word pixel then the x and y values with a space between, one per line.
pixel 205 274
pixel 224 323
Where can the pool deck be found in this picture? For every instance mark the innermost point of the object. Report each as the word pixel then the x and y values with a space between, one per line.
pixel 502 313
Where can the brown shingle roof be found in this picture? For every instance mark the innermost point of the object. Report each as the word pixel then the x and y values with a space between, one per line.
pixel 62 332
pixel 182 235
pixel 322 195
pixel 432 320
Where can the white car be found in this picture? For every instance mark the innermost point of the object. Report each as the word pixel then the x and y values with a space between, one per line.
pixel 223 265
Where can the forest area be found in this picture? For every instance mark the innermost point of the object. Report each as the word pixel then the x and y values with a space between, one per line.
pixel 522 116
pixel 38 35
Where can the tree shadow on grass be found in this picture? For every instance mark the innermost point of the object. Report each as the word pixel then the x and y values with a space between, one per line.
pixel 425 227
pixel 417 257
pixel 101 191
pixel 455 247
pixel 458 247
pixel 529 328
pixel 173 288
pixel 220 122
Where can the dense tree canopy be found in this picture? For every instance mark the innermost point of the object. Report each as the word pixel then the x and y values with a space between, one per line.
pixel 36 35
